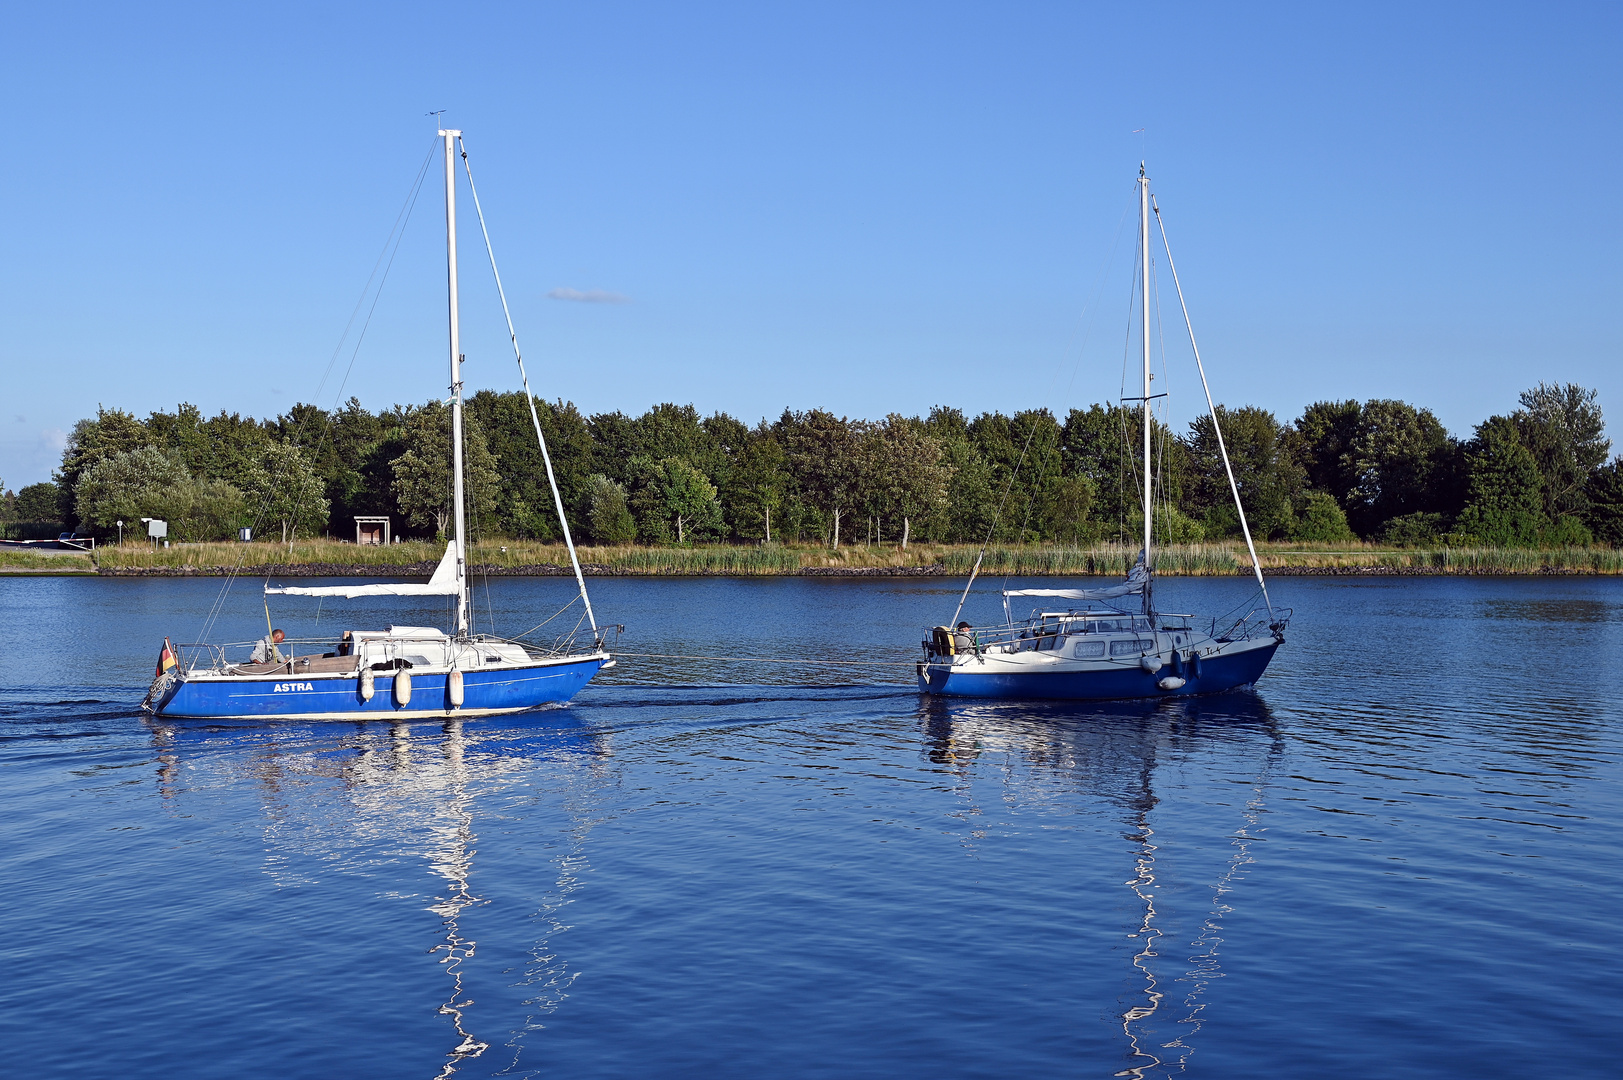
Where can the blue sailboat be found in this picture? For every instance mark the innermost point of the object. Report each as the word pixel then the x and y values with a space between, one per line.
pixel 400 672
pixel 1112 642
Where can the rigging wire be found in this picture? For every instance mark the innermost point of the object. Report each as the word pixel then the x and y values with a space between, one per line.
pixel 1216 427
pixel 391 247
pixel 529 397
pixel 1081 350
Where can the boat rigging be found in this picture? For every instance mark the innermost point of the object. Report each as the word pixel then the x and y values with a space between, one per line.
pixel 1104 646
pixel 401 672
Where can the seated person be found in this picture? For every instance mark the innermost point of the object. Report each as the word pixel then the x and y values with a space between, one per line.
pixel 265 650
pixel 962 639
pixel 346 644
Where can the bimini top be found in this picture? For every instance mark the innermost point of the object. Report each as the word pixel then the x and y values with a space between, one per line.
pixel 1137 578
pixel 445 582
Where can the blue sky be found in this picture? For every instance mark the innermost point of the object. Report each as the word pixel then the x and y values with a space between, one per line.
pixel 867 207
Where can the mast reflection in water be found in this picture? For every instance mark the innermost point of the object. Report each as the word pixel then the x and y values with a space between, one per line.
pixel 1112 750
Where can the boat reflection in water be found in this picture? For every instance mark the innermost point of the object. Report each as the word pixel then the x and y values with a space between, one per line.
pixel 1111 750
pixel 380 796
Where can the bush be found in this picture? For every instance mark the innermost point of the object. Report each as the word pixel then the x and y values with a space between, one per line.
pixel 1321 520
pixel 1413 530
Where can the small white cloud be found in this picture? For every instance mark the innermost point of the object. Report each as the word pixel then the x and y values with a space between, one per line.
pixel 53 439
pixel 590 296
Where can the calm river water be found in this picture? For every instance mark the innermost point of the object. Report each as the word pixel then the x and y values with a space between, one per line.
pixel 1402 856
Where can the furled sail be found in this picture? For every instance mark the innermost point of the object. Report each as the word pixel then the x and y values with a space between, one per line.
pixel 445 582
pixel 1137 578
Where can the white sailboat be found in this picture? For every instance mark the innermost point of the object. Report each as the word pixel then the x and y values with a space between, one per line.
pixel 400 672
pixel 1112 642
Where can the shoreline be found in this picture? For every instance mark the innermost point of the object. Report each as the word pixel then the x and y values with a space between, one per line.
pixel 320 570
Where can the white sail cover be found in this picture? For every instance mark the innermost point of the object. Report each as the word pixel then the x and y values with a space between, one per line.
pixel 445 582
pixel 1137 578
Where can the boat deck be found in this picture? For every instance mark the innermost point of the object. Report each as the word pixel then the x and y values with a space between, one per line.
pixel 314 664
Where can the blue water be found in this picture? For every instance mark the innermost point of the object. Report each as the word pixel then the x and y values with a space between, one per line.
pixel 1400 857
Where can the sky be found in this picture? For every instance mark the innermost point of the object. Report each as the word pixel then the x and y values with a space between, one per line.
pixel 867 207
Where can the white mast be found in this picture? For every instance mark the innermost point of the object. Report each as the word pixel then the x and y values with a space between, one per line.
pixel 1144 289
pixel 456 382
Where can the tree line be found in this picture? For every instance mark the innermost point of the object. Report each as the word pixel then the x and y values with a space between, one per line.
pixel 1378 470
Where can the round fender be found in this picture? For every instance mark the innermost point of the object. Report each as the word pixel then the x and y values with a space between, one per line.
pixel 1171 682
pixel 453 688
pixel 1151 664
pixel 402 688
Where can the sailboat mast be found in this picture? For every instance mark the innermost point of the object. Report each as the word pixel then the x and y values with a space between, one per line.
pixel 1144 296
pixel 456 382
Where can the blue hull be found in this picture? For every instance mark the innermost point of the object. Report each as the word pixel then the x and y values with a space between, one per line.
pixel 338 697
pixel 1216 674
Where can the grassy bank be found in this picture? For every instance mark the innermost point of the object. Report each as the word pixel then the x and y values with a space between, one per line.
pixel 27 562
pixel 1103 560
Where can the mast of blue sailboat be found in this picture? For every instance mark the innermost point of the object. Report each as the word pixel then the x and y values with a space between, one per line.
pixel 456 382
pixel 1144 298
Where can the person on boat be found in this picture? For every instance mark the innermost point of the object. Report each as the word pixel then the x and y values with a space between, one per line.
pixel 266 652
pixel 346 643
pixel 963 640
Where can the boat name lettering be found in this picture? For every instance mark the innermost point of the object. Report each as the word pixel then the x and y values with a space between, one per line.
pixel 285 687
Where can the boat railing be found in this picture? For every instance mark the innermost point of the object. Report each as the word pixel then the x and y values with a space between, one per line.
pixel 577 642
pixel 1256 623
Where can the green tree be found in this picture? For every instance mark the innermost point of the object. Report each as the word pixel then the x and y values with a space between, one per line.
pixel 1504 503
pixel 39 502
pixel 113 431
pixel 1321 520
pixel 823 451
pixel 1266 471
pixel 609 514
pixel 127 486
pixel 1604 499
pixel 237 444
pixel 283 489
pixel 148 483
pixel 423 475
pixel 1403 462
pixel 674 500
pixel 910 474
pixel 757 486
pixel 1328 431
pixel 1562 427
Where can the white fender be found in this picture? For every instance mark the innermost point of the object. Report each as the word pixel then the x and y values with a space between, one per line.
pixel 1171 682
pixel 402 688
pixel 453 688
pixel 367 685
pixel 1151 664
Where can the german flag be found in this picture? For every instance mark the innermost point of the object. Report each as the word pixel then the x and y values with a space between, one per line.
pixel 166 659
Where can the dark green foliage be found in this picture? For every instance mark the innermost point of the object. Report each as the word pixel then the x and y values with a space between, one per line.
pixel 1562 428
pixel 609 513
pixel 1320 519
pixel 1403 462
pixel 1504 504
pixel 1328 430
pixel 1381 469
pixel 1266 471
pixel 673 502
pixel 1413 530
pixel 1603 494
pixel 113 431
pixel 38 502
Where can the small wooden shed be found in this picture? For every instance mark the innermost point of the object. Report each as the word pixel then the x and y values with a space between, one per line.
pixel 371 530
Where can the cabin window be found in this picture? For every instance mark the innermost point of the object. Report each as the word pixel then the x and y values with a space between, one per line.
pixel 1130 647
pixel 1082 650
